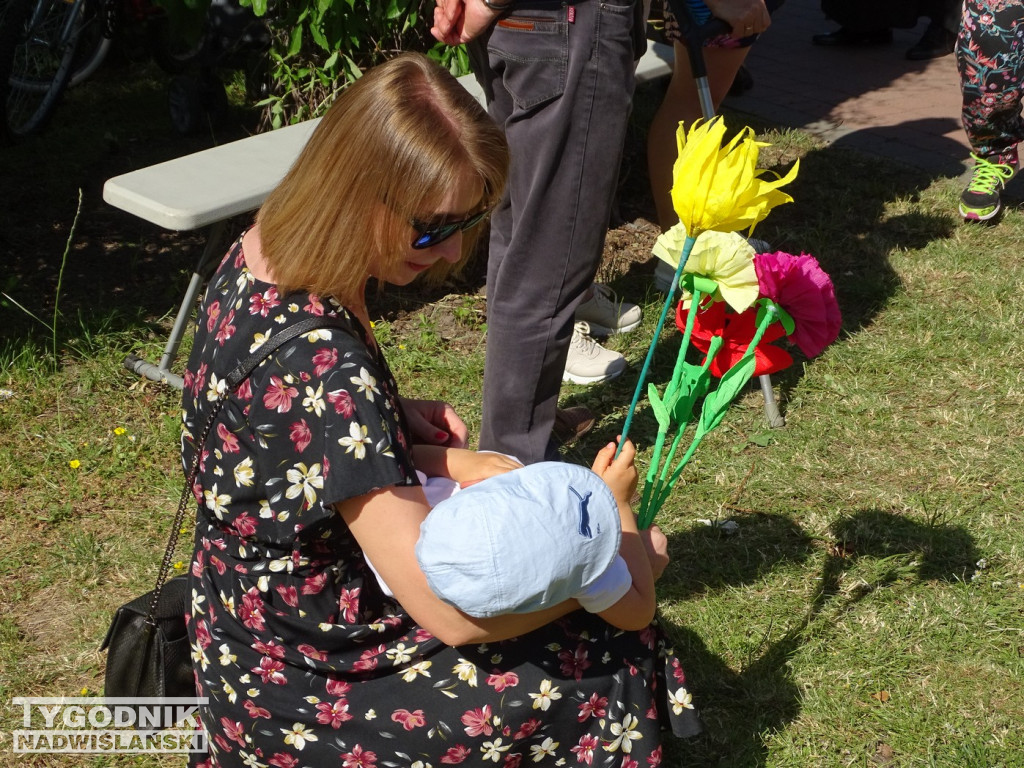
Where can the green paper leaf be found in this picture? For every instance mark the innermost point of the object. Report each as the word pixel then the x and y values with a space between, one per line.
pixel 696 380
pixel 788 323
pixel 718 402
pixel 659 408
pixel 781 315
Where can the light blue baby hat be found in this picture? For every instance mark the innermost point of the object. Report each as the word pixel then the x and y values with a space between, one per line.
pixel 521 541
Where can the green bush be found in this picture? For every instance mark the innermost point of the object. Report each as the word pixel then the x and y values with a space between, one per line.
pixel 320 46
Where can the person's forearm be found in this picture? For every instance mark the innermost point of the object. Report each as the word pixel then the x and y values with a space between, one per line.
pixel 466 630
pixel 386 524
pixel 431 460
pixel 631 612
pixel 634 552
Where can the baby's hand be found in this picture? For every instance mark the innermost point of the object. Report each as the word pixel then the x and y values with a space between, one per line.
pixel 470 467
pixel 619 472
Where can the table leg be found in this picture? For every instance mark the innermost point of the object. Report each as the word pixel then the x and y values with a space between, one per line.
pixel 162 372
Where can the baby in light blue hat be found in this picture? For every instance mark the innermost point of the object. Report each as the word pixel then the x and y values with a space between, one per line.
pixel 528 539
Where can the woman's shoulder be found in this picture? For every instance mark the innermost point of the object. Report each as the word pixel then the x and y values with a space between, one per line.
pixel 241 314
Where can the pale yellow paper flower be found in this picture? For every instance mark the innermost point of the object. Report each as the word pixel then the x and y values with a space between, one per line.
pixel 716 187
pixel 725 257
pixel 669 245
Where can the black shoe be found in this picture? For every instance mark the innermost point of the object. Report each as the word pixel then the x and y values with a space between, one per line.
pixel 844 36
pixel 935 42
pixel 571 424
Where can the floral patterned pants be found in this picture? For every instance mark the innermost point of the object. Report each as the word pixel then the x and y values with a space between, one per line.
pixel 990 57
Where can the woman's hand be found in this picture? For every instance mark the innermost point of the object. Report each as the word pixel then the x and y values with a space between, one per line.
pixel 746 17
pixel 459 21
pixel 618 472
pixel 434 422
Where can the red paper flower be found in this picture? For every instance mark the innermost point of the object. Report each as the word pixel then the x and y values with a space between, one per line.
pixel 737 331
pixel 801 287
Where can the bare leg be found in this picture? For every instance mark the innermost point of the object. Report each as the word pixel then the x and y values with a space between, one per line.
pixel 682 105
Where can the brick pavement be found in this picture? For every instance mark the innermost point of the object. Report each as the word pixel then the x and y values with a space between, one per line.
pixel 869 99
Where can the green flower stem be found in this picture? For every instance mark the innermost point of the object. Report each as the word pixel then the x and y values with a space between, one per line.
pixel 687 247
pixel 653 481
pixel 664 490
pixel 651 484
pixel 671 454
pixel 654 484
pixel 677 372
pixel 659 483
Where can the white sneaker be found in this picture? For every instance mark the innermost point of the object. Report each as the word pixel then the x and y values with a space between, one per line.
pixel 588 361
pixel 605 314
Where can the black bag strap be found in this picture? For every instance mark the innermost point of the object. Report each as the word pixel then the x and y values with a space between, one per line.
pixel 234 380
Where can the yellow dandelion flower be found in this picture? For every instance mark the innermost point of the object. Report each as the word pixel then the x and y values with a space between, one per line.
pixel 119 431
pixel 74 463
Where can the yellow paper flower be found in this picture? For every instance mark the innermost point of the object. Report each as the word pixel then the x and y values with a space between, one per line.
pixel 716 187
pixel 725 257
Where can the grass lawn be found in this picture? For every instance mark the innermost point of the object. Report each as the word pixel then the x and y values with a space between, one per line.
pixel 868 610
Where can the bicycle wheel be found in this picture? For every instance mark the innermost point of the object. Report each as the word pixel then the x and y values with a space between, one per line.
pixel 37 42
pixel 94 39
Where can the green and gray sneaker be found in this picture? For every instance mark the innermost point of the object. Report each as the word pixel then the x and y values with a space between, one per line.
pixel 981 200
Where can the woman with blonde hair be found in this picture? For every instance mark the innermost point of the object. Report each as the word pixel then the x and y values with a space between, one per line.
pixel 309 470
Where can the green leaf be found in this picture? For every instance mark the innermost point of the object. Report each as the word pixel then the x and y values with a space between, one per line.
pixel 659 408
pixel 762 439
pixel 318 37
pixel 718 402
pixel 694 384
pixel 788 323
pixel 295 43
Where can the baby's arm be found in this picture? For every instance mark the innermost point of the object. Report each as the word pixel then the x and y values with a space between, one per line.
pixel 635 609
pixel 461 465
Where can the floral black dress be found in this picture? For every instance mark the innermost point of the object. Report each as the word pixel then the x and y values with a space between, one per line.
pixel 305 662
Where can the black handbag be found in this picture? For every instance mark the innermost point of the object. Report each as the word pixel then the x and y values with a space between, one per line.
pixel 148 651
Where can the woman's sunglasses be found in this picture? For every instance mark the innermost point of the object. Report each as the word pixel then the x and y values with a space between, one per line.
pixel 430 234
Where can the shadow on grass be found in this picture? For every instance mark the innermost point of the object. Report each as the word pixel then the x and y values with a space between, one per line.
pixel 940 552
pixel 122 274
pixel 738 707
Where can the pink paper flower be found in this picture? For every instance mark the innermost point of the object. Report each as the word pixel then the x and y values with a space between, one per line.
pixel 801 287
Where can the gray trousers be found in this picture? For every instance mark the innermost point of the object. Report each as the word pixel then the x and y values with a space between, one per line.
pixel 559 80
